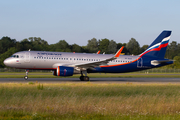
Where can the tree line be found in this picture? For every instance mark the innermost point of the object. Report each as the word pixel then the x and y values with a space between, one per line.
pixel 9 46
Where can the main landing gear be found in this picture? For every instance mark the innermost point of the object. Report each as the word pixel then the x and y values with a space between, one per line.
pixel 26 77
pixel 84 78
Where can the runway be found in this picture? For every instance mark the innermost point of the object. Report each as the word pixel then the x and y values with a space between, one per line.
pixel 92 80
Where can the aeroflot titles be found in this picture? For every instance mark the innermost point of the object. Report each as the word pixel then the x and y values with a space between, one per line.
pixel 48 54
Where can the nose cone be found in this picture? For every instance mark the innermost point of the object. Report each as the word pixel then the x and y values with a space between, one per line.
pixel 7 62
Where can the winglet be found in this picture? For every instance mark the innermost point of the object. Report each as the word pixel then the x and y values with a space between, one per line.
pixel 119 52
pixel 98 52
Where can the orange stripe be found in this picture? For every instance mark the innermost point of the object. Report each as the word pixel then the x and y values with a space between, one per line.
pixel 58 71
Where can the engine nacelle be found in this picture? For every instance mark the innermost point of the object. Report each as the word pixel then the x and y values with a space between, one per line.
pixel 64 71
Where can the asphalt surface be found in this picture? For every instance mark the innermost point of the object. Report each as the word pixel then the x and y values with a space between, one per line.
pixel 92 80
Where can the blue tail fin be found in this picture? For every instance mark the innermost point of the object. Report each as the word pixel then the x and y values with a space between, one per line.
pixel 159 46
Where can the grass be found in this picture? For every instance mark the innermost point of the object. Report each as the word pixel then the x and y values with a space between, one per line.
pixel 92 75
pixel 89 101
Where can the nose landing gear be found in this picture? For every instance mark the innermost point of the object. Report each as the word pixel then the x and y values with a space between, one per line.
pixel 26 77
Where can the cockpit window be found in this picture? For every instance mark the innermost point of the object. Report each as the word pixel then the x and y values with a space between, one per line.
pixel 15 56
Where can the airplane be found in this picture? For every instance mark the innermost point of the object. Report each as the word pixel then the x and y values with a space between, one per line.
pixel 67 64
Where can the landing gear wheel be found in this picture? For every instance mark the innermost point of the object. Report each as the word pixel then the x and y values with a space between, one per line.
pixel 86 78
pixel 82 78
pixel 25 77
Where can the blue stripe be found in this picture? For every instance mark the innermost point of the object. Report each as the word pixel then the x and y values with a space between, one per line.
pixel 164 42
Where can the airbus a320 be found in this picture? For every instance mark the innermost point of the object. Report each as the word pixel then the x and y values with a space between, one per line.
pixel 67 64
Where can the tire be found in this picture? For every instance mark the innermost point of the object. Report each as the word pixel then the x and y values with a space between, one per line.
pixel 82 78
pixel 86 78
pixel 25 77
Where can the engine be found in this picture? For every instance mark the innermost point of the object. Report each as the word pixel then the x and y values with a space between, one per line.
pixel 64 71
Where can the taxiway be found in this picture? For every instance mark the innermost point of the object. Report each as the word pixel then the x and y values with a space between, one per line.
pixel 94 80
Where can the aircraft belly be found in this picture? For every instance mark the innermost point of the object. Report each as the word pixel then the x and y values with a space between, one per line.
pixel 121 68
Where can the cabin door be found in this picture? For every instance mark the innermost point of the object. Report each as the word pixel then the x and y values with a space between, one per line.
pixel 27 57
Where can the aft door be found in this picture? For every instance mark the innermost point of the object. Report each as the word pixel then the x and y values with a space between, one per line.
pixel 140 63
pixel 27 57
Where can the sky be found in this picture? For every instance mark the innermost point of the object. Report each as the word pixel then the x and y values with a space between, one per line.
pixel 78 21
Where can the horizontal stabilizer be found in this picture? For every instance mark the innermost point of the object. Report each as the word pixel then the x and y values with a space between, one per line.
pixel 157 62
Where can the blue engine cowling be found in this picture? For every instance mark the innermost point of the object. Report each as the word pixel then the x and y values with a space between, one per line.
pixel 64 71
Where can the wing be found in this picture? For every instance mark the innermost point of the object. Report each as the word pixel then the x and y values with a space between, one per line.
pixel 91 65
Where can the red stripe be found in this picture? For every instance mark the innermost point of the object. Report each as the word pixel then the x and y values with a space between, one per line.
pixel 163 45
pixel 156 49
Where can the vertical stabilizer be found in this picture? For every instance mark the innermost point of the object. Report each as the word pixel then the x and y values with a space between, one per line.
pixel 159 46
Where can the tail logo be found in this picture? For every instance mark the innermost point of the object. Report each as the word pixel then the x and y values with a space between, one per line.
pixel 158 46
